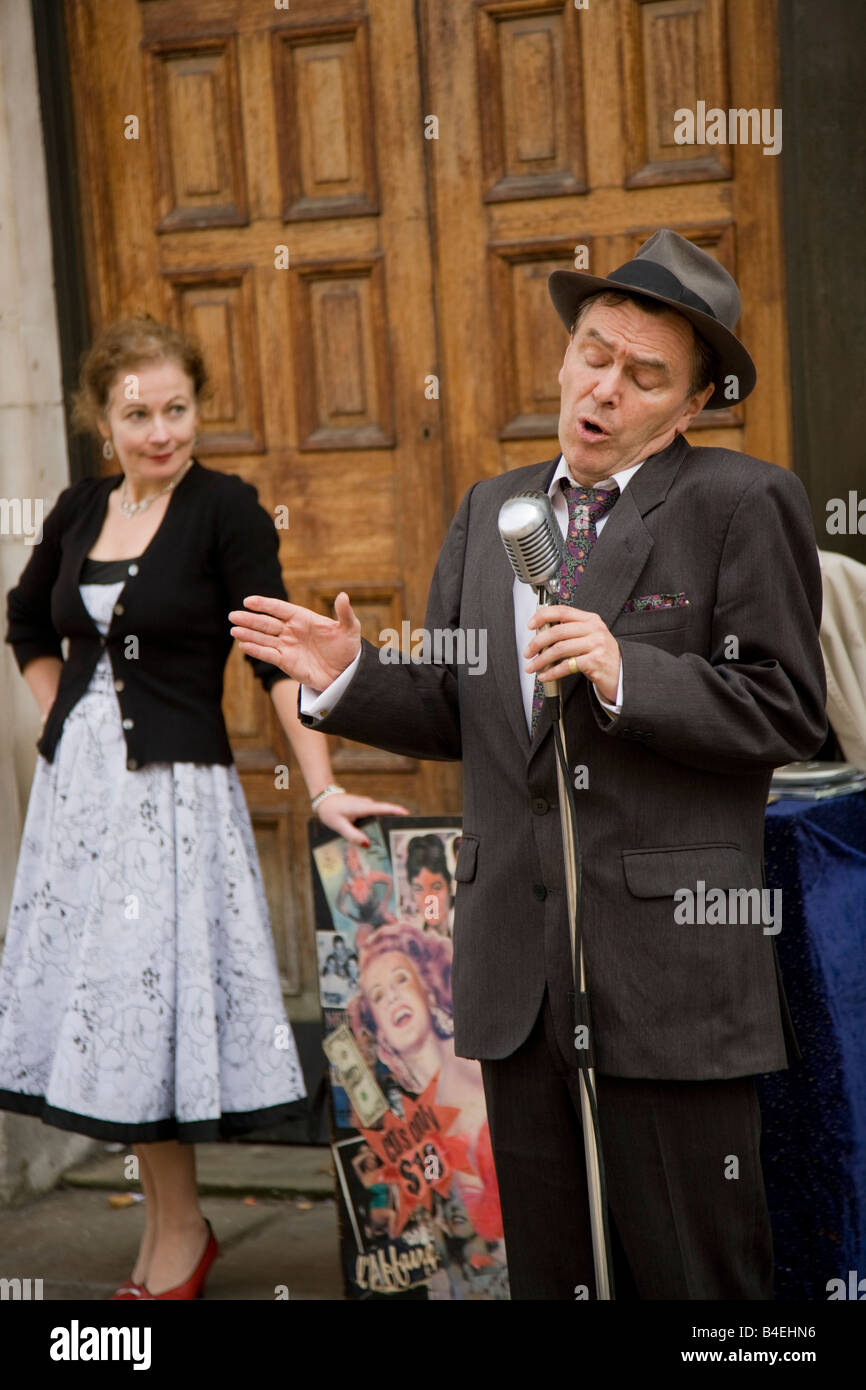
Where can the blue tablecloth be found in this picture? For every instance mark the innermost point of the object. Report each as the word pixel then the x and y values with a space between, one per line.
pixel 814 1114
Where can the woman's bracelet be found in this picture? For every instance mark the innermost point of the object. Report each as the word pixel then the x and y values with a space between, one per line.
pixel 328 791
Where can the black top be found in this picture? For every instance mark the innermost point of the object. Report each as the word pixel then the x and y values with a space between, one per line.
pixel 106 571
pixel 214 546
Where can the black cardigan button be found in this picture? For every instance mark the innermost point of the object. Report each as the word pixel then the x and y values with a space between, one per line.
pixel 539 891
pixel 132 764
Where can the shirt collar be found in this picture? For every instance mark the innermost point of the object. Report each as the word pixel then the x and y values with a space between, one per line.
pixel 620 479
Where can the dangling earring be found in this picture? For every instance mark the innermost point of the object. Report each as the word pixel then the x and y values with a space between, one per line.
pixel 442 1021
pixel 108 449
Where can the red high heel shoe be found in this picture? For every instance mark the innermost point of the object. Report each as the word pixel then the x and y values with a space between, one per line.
pixel 127 1291
pixel 193 1287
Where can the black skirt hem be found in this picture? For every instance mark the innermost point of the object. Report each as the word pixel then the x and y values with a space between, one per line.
pixel 226 1126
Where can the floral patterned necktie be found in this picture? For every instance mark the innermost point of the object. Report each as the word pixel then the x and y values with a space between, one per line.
pixel 586 506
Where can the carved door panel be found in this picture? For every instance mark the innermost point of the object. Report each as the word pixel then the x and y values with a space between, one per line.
pixel 557 149
pixel 256 174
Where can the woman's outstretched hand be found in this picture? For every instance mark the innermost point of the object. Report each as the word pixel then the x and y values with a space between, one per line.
pixel 309 647
pixel 340 810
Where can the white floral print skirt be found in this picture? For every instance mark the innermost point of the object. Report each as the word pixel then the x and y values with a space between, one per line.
pixel 139 992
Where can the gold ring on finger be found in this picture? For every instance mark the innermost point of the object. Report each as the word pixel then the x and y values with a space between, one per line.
pixel 572 665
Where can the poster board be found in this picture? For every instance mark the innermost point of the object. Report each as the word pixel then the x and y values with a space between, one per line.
pixel 418 1202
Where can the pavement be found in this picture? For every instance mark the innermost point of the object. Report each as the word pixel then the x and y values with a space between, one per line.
pixel 272 1207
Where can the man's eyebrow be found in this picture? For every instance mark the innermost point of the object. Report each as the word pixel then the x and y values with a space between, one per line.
pixel 654 362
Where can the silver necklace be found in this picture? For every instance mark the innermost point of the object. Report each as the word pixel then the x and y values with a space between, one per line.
pixel 131 509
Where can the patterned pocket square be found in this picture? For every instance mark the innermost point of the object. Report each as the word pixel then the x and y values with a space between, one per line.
pixel 652 603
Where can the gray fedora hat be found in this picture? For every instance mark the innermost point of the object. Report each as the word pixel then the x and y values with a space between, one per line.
pixel 676 272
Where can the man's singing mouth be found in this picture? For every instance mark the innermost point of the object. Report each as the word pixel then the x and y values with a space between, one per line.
pixel 591 429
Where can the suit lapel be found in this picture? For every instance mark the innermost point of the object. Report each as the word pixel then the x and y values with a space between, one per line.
pixel 618 556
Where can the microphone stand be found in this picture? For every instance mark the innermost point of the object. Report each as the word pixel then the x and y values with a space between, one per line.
pixel 588 1107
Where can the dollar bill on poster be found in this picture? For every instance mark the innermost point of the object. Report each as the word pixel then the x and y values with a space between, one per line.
pixel 357 1080
pixel 419 1205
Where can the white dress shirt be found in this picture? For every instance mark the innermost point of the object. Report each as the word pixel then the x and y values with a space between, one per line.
pixel 319 703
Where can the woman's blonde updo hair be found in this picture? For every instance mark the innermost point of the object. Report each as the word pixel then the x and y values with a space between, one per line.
pixel 118 351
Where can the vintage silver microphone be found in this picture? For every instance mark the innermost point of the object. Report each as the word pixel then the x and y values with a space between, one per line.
pixel 531 535
pixel 536 548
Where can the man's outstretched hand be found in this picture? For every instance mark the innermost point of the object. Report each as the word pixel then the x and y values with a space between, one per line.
pixel 310 648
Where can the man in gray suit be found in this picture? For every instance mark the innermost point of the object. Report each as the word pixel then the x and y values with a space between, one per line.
pixel 687 647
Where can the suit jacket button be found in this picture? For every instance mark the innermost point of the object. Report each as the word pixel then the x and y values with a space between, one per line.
pixel 129 723
pixel 120 685
pixel 540 806
pixel 102 641
pixel 539 891
pixel 119 609
pixel 132 764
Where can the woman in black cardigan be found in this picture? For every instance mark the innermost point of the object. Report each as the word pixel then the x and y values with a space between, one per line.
pixel 139 992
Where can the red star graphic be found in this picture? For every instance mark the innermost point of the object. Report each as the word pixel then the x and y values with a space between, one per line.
pixel 417 1154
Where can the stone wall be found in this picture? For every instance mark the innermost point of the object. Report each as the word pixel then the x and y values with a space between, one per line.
pixel 33 465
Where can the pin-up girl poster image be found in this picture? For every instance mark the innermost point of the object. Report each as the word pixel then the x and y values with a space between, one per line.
pixel 364 892
pixel 403 1007
pixel 424 871
pixel 359 885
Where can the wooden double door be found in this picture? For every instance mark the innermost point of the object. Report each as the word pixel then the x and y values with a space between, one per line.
pixel 355 206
